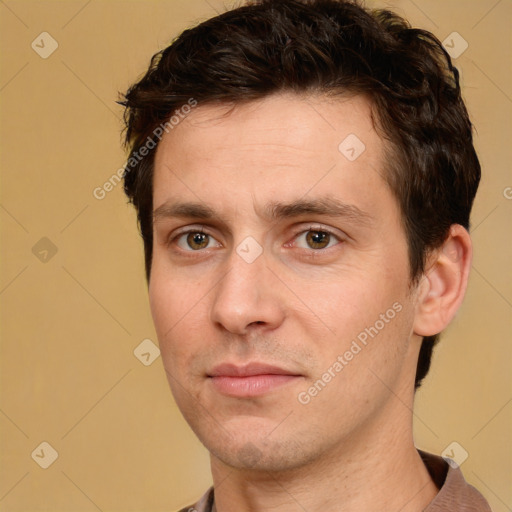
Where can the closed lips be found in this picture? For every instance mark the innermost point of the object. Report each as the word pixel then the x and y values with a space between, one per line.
pixel 249 370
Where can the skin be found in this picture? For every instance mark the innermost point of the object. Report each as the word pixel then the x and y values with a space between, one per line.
pixel 350 447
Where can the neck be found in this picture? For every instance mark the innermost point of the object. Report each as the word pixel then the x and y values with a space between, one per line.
pixel 380 470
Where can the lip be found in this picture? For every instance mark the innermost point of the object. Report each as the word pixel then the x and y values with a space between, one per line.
pixel 248 370
pixel 250 380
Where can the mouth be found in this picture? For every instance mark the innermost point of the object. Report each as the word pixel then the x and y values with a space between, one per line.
pixel 251 380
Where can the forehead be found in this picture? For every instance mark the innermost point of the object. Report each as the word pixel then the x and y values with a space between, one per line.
pixel 278 148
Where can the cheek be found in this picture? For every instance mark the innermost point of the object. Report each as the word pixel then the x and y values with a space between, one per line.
pixel 358 374
pixel 163 300
pixel 175 308
pixel 366 322
pixel 173 293
pixel 347 304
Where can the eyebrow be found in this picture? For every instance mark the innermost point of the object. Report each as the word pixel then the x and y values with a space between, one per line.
pixel 327 206
pixel 184 210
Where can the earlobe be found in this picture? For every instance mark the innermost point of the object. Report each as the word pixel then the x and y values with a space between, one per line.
pixel 442 288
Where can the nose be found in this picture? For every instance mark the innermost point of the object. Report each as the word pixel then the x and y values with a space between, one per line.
pixel 247 297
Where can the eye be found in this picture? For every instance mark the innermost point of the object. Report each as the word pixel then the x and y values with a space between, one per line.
pixel 195 241
pixel 316 239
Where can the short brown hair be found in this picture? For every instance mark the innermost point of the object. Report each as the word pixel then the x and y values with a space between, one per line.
pixel 324 47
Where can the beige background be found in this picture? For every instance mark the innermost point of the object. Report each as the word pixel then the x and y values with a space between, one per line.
pixel 71 321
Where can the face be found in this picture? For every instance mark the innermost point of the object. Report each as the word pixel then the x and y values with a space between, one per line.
pixel 280 284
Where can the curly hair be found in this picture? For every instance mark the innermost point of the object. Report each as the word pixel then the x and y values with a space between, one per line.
pixel 325 47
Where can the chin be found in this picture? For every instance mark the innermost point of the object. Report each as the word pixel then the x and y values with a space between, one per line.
pixel 262 455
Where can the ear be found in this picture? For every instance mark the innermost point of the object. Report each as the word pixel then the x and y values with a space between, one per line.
pixel 444 283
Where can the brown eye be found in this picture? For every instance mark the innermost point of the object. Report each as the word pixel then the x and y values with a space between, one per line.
pixel 198 241
pixel 318 239
pixel 195 241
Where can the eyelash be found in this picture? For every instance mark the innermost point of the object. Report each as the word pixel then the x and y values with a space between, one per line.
pixel 318 229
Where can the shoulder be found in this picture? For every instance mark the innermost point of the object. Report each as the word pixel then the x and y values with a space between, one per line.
pixel 203 505
pixel 455 494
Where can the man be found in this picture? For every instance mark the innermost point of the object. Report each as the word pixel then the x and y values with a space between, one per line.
pixel 303 173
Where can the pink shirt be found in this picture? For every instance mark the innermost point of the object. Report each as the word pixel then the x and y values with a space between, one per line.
pixel 455 494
